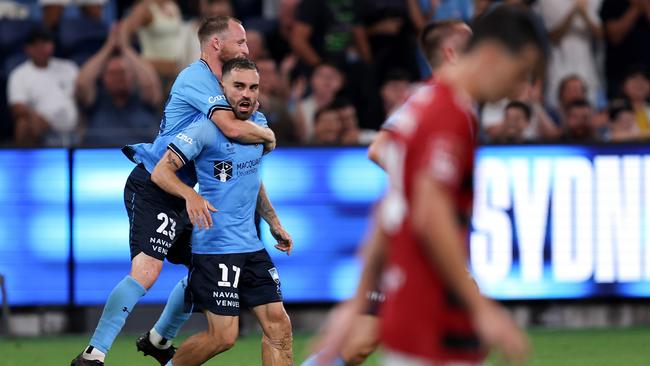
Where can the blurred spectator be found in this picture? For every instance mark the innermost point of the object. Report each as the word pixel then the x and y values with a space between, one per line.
pixel 627 31
pixel 53 9
pixel 395 90
pixel 426 10
pixel 516 121
pixel 351 134
pixel 571 88
pixel 385 35
pixel 322 31
pixel 541 125
pixel 190 47
pixel 578 125
pixel 326 82
pixel 622 126
pixel 40 93
pixel 158 24
pixel 327 126
pixel 256 45
pixel 120 94
pixel 636 88
pixel 273 100
pixel 13 10
pixel 573 27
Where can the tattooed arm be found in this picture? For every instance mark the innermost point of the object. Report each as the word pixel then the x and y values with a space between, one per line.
pixel 164 175
pixel 267 212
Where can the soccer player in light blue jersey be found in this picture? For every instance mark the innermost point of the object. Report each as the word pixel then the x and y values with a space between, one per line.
pixel 159 223
pixel 230 267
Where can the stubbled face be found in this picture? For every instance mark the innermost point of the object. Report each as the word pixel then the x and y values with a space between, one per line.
pixel 40 52
pixel 515 123
pixel 241 88
pixel 117 78
pixel 232 43
pixel 504 71
pixel 328 128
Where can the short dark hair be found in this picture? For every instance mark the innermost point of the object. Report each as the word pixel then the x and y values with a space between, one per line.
pixel 38 34
pixel 636 70
pixel 521 106
pixel 578 103
pixel 215 25
pixel 432 36
pixel 617 107
pixel 328 108
pixel 512 26
pixel 238 63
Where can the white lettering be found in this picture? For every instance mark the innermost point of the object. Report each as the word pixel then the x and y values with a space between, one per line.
pixel 491 249
pixel 531 197
pixel 185 138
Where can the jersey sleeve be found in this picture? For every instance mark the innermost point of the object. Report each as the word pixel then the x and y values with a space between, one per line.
pixel 448 150
pixel 204 94
pixel 17 89
pixel 260 119
pixel 189 143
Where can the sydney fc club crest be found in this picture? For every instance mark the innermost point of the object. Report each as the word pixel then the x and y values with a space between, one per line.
pixel 223 170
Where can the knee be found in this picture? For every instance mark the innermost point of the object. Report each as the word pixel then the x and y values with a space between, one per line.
pixel 279 323
pixel 146 272
pixel 360 355
pixel 221 341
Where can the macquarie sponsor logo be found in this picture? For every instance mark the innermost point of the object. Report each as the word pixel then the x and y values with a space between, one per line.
pixel 248 167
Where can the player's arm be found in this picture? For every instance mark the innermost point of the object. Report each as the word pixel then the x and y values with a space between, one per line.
pixel 377 146
pixel 245 132
pixel 434 222
pixel 267 212
pixel 164 175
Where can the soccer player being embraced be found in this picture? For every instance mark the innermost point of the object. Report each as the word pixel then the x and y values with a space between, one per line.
pixel 230 266
pixel 159 223
pixel 433 313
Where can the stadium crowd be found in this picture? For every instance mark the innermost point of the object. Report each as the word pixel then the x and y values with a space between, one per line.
pixel 331 71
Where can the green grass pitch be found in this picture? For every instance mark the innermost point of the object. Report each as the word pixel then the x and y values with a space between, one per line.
pixel 629 347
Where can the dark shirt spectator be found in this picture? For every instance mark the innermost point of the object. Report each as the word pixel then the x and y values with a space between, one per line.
pixel 322 31
pixel 627 34
pixel 120 93
pixel 385 35
pixel 273 102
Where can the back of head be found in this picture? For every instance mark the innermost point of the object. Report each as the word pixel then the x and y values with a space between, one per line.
pixel 513 27
pixel 210 27
pixel 434 35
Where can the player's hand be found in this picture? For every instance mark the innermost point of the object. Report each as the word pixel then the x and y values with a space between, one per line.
pixel 285 242
pixel 268 147
pixel 335 332
pixel 198 209
pixel 497 329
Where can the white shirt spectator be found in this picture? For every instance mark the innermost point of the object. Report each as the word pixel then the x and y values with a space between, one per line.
pixel 574 52
pixel 49 91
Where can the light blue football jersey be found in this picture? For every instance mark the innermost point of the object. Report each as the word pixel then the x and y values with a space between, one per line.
pixel 196 92
pixel 229 176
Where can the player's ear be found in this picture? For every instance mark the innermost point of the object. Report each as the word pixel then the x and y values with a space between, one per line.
pixel 216 43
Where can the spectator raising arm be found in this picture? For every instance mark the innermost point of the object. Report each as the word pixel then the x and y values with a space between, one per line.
pixel 300 44
pixel 86 86
pixel 148 82
pixel 618 29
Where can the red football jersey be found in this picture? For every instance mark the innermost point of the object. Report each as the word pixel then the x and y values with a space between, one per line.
pixel 435 134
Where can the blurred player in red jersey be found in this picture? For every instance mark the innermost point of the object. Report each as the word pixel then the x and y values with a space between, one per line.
pixel 434 313
pixel 442 43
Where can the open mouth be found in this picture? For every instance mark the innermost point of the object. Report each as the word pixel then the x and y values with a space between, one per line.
pixel 245 106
